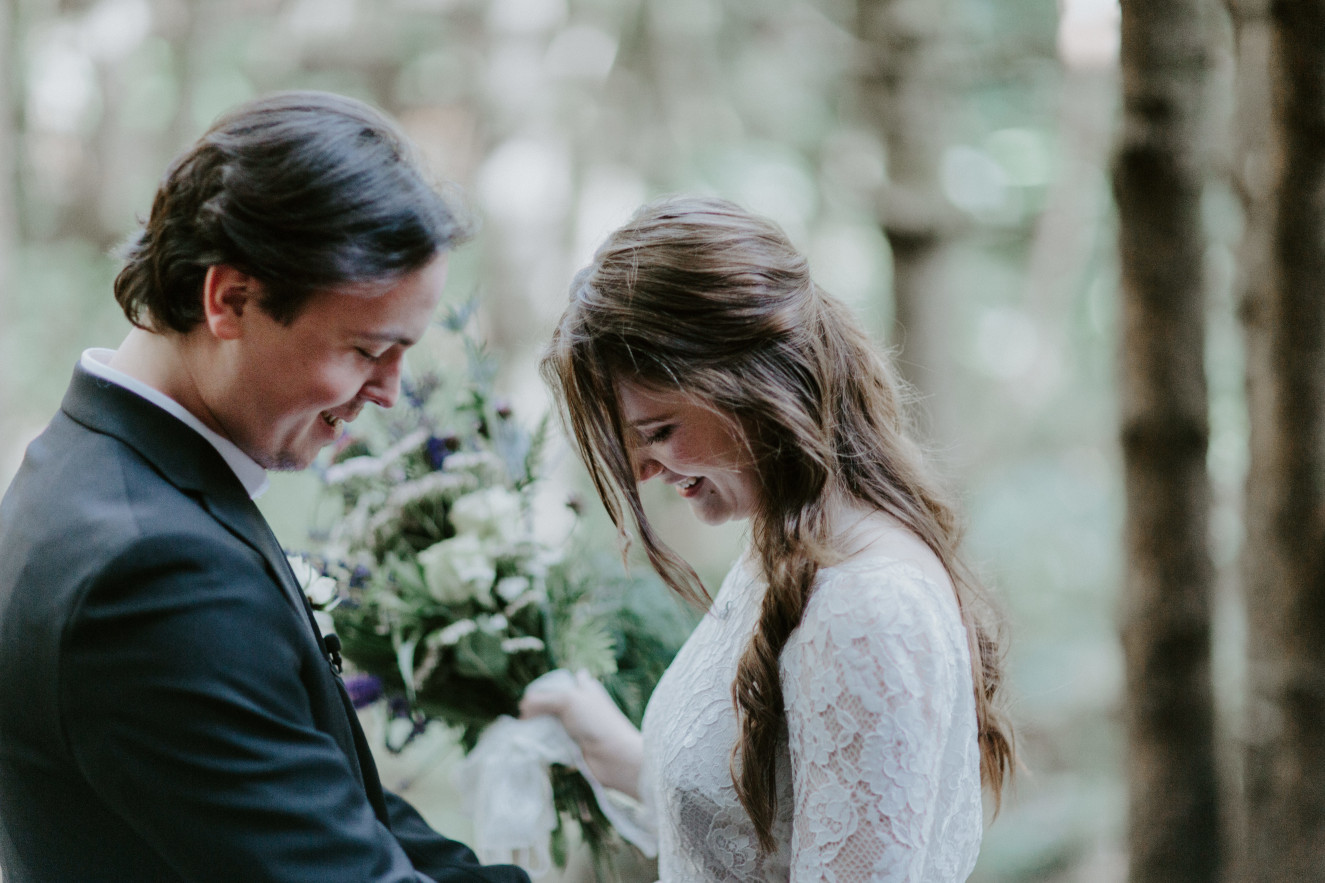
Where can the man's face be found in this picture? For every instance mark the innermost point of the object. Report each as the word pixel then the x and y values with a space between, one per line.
pixel 288 389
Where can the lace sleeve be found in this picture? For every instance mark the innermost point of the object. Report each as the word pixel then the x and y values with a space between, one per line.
pixel 871 679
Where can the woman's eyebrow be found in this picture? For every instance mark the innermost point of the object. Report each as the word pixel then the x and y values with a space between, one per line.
pixel 648 419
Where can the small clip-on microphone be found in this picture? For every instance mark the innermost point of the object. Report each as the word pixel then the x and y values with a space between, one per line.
pixel 333 651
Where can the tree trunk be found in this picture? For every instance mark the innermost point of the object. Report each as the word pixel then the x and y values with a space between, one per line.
pixel 1285 514
pixel 1158 173
pixel 1254 171
pixel 904 88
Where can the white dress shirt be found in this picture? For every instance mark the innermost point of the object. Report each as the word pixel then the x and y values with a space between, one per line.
pixel 96 361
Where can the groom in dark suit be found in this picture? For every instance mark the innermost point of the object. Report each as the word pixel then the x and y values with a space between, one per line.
pixel 168 710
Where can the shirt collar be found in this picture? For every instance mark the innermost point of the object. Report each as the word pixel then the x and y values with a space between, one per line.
pixel 96 361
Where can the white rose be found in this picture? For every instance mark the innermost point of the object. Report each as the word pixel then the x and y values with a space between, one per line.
pixel 457 570
pixel 318 588
pixel 492 514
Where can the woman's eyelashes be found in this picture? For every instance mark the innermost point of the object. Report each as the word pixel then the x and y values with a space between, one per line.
pixel 660 434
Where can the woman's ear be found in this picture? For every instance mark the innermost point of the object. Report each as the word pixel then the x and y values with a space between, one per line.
pixel 226 294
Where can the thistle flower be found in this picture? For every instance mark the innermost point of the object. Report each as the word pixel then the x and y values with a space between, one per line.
pixel 436 450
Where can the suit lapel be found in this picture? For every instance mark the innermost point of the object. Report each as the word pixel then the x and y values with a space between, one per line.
pixel 242 518
pixel 190 463
pixel 184 458
pixel 247 522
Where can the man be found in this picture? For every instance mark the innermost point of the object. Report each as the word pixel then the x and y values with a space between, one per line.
pixel 168 710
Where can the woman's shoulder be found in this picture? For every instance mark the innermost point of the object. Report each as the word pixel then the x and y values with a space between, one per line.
pixel 878 585
pixel 888 583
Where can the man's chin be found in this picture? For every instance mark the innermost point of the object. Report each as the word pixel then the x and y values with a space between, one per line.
pixel 297 452
pixel 284 461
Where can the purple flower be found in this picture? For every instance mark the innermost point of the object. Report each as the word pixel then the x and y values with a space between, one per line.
pixel 436 451
pixel 364 689
pixel 359 576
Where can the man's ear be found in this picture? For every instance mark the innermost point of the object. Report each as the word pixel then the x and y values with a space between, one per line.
pixel 226 294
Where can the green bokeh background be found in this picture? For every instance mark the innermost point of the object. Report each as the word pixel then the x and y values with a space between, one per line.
pixel 556 118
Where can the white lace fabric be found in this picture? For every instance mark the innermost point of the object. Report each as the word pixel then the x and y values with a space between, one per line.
pixel 879 778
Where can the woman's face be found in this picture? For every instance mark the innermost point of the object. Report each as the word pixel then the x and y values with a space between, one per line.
pixel 698 450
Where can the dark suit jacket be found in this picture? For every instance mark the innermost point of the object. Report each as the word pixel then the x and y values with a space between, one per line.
pixel 167 711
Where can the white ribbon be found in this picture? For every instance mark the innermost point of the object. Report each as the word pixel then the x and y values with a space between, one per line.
pixel 507 788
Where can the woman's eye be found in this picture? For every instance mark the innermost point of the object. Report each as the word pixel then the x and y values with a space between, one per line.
pixel 658 435
pixel 372 357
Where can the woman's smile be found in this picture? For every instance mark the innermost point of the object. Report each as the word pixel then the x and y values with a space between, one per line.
pixel 692 446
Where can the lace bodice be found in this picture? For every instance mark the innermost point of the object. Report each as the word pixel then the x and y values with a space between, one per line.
pixel 879 778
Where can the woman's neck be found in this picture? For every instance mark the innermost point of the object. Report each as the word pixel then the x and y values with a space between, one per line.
pixel 858 529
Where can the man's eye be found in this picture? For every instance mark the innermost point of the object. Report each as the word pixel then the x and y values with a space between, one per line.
pixel 658 435
pixel 372 357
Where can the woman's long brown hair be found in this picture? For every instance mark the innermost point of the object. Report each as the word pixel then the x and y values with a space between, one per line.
pixel 699 296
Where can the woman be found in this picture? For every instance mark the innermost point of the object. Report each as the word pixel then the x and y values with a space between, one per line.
pixel 834 713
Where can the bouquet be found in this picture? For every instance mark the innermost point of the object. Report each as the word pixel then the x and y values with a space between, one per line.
pixel 448 601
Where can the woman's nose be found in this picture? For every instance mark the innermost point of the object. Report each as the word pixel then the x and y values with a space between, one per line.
pixel 646 468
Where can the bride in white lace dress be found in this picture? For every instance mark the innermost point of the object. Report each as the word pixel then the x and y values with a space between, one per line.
pixel 833 714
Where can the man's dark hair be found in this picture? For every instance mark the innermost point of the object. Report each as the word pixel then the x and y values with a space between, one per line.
pixel 303 191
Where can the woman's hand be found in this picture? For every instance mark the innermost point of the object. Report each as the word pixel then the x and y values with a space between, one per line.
pixel 612 746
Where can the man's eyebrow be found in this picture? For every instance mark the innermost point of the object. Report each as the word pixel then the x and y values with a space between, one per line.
pixel 387 337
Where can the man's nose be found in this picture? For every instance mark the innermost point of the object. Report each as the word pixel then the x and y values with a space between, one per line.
pixel 383 387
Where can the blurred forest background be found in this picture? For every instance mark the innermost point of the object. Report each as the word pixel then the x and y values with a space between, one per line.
pixel 945 164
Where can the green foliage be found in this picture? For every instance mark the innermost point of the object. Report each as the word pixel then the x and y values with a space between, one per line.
pixel 753 99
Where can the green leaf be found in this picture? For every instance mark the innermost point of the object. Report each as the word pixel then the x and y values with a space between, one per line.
pixel 534 454
pixel 479 655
